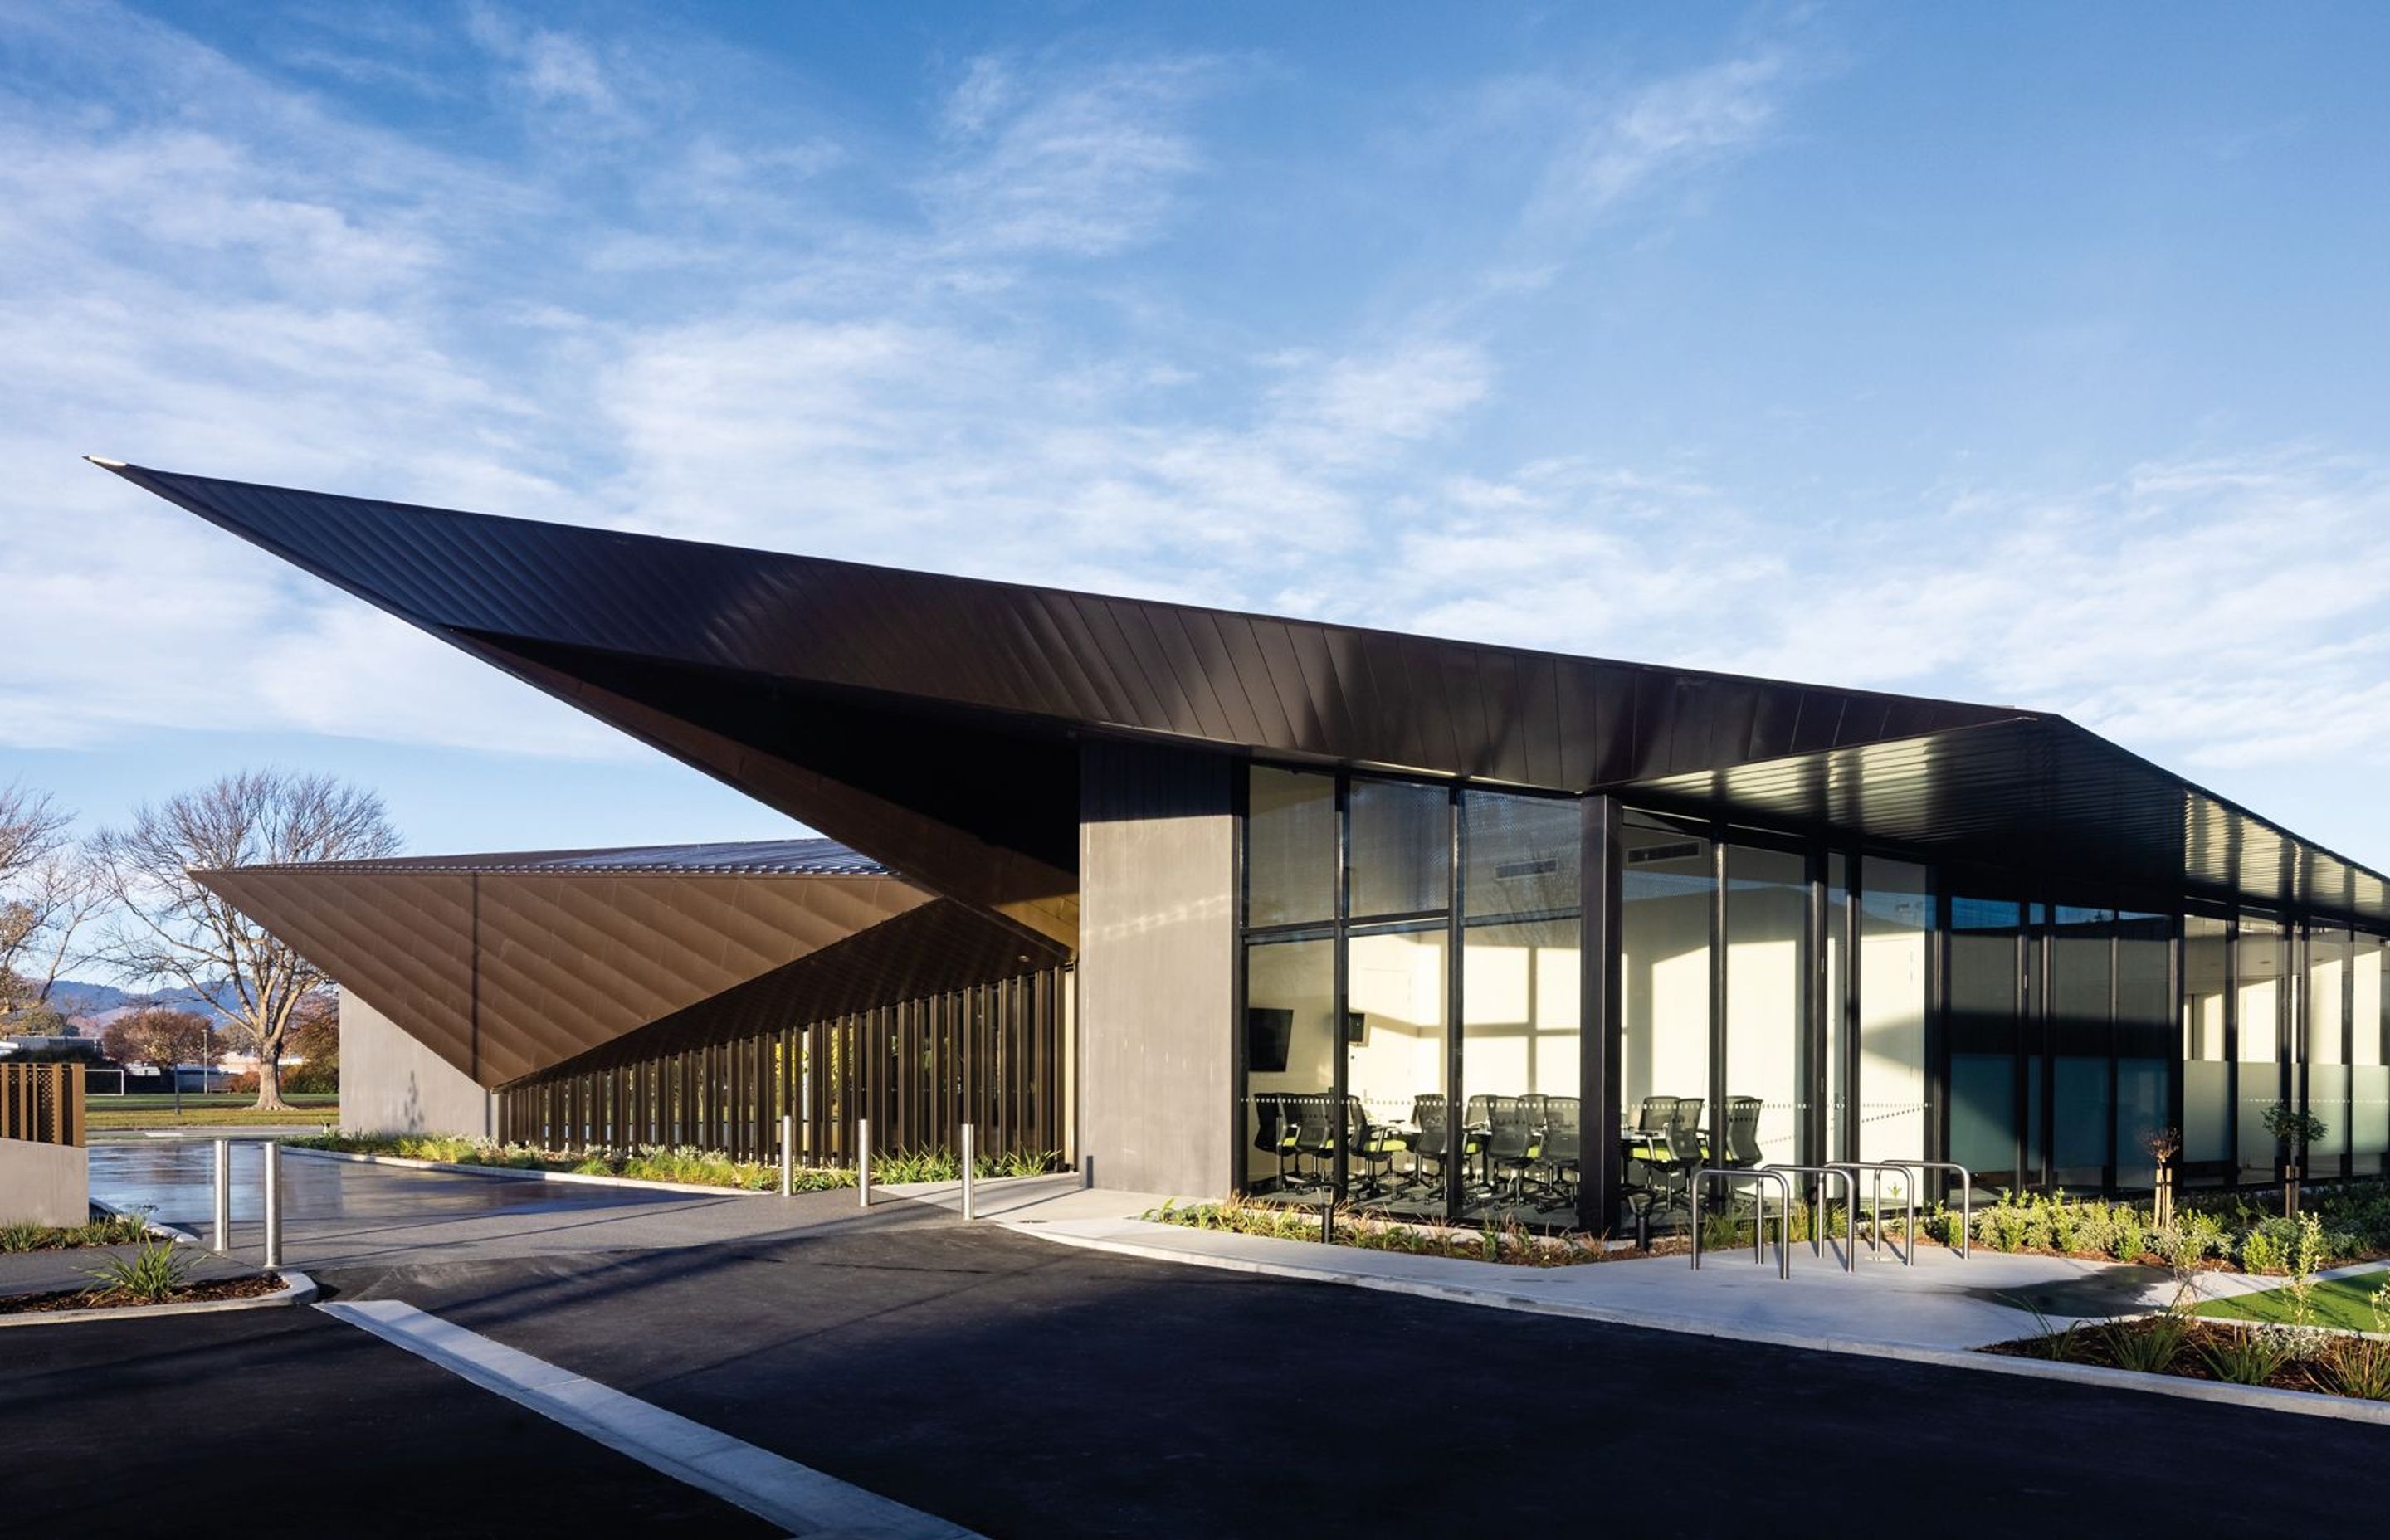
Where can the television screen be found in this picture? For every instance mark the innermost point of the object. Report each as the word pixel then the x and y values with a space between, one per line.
pixel 1269 1034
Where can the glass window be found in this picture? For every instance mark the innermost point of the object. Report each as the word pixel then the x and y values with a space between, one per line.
pixel 2325 999
pixel 1289 847
pixel 2260 972
pixel 1401 847
pixel 1523 853
pixel 1393 1046
pixel 1895 915
pixel 2369 1065
pixel 1520 1015
pixel 2144 1050
pixel 1663 943
pixel 1984 973
pixel 1291 1044
pixel 1767 1002
pixel 2207 1083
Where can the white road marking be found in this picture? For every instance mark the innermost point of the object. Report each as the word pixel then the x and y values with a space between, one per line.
pixel 801 1500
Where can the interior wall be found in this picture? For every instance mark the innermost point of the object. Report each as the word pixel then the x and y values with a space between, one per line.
pixel 391 1084
pixel 1157 968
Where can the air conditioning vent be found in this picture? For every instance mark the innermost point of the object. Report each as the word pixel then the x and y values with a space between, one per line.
pixel 1504 870
pixel 1649 853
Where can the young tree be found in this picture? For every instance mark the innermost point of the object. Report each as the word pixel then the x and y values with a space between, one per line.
pixel 170 927
pixel 156 1035
pixel 47 892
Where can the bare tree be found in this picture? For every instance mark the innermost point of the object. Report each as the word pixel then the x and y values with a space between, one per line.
pixel 47 891
pixel 170 927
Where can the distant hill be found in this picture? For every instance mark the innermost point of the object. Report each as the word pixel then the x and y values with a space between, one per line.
pixel 100 1004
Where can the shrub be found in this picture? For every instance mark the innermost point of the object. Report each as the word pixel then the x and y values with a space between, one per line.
pixel 2152 1346
pixel 2261 1253
pixel 150 1275
pixel 2363 1369
pixel 2250 1356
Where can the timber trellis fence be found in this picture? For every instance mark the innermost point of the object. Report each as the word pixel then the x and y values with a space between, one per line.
pixel 42 1103
pixel 988 1055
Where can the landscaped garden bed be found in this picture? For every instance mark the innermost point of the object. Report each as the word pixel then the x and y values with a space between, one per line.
pixel 2173 1342
pixel 1510 1243
pixel 115 1229
pixel 683 1164
pixel 205 1292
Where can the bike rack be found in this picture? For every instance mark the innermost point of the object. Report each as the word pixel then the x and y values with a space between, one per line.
pixel 1850 1207
pixel 1966 1198
pixel 1875 1170
pixel 1759 1214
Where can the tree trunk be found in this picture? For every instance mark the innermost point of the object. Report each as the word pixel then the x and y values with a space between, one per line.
pixel 269 1074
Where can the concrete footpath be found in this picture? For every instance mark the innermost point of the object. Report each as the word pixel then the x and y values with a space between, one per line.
pixel 1944 1302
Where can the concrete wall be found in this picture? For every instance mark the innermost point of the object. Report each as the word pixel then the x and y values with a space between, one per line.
pixel 49 1184
pixel 391 1084
pixel 1157 968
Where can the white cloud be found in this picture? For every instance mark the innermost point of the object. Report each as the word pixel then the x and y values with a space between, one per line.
pixel 1086 165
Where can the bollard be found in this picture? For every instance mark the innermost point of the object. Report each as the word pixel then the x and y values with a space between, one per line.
pixel 788 1154
pixel 971 1172
pixel 863 1159
pixel 1086 1172
pixel 221 1242
pixel 272 1153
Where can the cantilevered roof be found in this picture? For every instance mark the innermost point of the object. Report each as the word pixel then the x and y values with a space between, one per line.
pixel 507 964
pixel 761 858
pixel 930 720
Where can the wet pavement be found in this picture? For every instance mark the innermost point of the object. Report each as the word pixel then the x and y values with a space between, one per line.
pixel 347 1212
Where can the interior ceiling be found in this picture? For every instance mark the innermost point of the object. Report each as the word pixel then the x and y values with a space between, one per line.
pixel 927 719
pixel 504 973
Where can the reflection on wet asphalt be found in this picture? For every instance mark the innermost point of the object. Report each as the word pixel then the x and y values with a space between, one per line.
pixel 173 1179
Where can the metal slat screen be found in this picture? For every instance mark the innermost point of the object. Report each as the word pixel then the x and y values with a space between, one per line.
pixel 988 1055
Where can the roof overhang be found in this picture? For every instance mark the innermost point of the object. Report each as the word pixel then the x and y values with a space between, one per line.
pixel 505 971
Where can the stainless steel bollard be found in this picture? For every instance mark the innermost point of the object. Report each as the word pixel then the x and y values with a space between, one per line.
pixel 788 1154
pixel 220 1241
pixel 862 1160
pixel 1086 1172
pixel 272 1153
pixel 971 1172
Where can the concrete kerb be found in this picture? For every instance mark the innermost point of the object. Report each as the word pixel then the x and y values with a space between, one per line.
pixel 164 1232
pixel 2302 1403
pixel 297 1288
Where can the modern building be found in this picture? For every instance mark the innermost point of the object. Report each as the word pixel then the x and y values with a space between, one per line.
pixel 1447 926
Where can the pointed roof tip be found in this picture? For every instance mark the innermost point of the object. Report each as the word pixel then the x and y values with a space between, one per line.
pixel 105 463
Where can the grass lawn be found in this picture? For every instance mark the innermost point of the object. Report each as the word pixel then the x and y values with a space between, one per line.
pixel 152 1101
pixel 2336 1301
pixel 208 1112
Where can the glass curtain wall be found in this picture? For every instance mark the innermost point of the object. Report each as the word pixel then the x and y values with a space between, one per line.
pixel 2206 1048
pixel 1357 1084
pixel 1521 1045
pixel 2368 1057
pixel 2082 984
pixel 2144 1041
pixel 1837 1036
pixel 2260 977
pixel 1895 921
pixel 1767 1005
pixel 2325 1044
pixel 1984 994
pixel 1666 917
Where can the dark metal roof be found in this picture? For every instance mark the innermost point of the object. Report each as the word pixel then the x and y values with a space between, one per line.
pixel 931 720
pixel 747 857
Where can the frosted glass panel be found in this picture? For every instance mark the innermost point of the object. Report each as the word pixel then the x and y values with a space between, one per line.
pixel 1664 895
pixel 1766 918
pixel 1895 915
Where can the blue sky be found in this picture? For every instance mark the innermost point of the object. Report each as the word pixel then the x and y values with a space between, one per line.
pixel 2028 354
